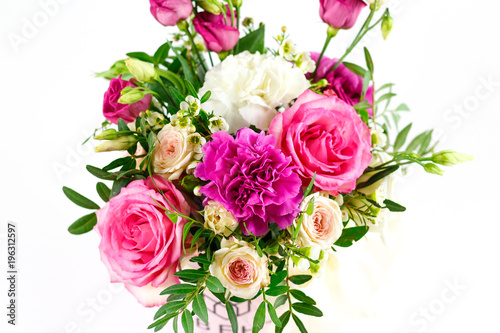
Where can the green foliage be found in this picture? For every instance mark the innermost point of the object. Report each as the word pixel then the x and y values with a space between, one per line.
pixel 252 42
pixel 83 224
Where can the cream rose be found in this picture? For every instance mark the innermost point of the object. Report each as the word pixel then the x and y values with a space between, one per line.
pixel 239 268
pixel 247 88
pixel 324 226
pixel 218 219
pixel 172 153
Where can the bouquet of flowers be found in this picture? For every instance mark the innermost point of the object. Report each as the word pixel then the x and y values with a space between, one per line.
pixel 244 167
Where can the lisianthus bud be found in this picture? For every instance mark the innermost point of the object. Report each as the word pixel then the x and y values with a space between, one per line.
pixel 109 134
pixel 433 168
pixel 141 70
pixel 211 6
pixel 340 14
pixel 131 97
pixel 450 157
pixel 387 23
pixel 121 143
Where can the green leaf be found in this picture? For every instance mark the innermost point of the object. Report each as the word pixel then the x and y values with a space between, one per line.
pixel 161 54
pixel 299 324
pixel 252 42
pixel 122 126
pixel 284 319
pixel 141 56
pixel 351 235
pixel 206 96
pixel 358 70
pixel 307 309
pixel 232 317
pixel 162 321
pixel 310 207
pixel 425 143
pixel 260 318
pixel 401 138
pixel 175 325
pixel 362 106
pixel 273 315
pixel 378 176
pixel 115 70
pixel 200 308
pixel 277 278
pixel 275 291
pixel 366 83
pixel 201 260
pixel 79 199
pixel 118 163
pixel 385 86
pixel 310 186
pixel 186 230
pixel 103 191
pixel 300 279
pixel 280 300
pixel 214 285
pixel 191 89
pixel 101 174
pixel 187 321
pixel 176 95
pixel 83 224
pixel 179 289
pixel 188 71
pixel 299 295
pixel 403 107
pixel 416 142
pixel 393 206
pixel 118 185
pixel 190 274
pixel 169 308
pixel 151 140
pixel 385 97
pixel 369 61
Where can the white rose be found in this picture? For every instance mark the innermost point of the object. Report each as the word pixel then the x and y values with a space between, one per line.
pixel 324 226
pixel 247 88
pixel 218 219
pixel 239 268
pixel 172 153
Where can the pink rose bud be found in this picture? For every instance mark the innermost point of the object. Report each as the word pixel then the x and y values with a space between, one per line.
pixel 169 12
pixel 340 14
pixel 219 34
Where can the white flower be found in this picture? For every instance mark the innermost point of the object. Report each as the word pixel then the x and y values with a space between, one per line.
pixel 379 138
pixel 218 124
pixel 247 89
pixel 171 154
pixel 288 49
pixel 191 105
pixel 195 142
pixel 305 63
pixel 324 226
pixel 218 219
pixel 239 268
pixel 155 119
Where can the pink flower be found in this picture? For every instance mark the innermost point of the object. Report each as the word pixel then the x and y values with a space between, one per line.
pixel 169 12
pixel 219 35
pixel 324 135
pixel 342 82
pixel 340 14
pixel 140 246
pixel 113 110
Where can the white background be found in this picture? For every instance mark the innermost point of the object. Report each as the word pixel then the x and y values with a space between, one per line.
pixel 440 54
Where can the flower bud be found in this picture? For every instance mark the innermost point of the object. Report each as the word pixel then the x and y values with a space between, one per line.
pixel 141 70
pixel 211 6
pixel 450 158
pixel 109 134
pixel 131 97
pixel 433 168
pixel 387 23
pixel 121 143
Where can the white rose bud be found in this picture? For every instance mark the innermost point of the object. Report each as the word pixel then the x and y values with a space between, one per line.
pixel 218 219
pixel 324 226
pixel 171 154
pixel 239 268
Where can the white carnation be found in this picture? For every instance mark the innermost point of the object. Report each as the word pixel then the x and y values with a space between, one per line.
pixel 247 88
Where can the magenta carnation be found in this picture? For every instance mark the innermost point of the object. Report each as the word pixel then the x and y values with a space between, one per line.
pixel 251 179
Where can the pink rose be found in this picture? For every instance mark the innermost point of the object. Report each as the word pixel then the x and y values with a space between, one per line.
pixel 113 110
pixel 218 34
pixel 140 246
pixel 342 82
pixel 169 12
pixel 324 135
pixel 340 14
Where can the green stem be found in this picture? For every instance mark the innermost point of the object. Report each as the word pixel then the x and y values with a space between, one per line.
pixel 325 46
pixel 195 49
